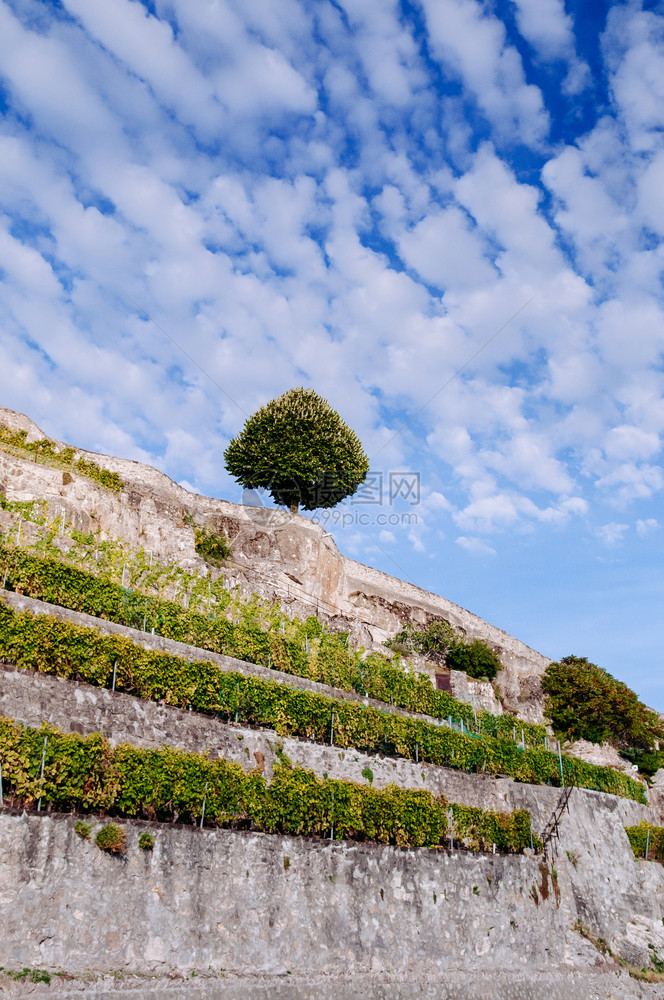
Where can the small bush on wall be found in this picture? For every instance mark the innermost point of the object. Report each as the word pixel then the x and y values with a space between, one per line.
pixel 475 658
pixel 214 548
pixel 112 839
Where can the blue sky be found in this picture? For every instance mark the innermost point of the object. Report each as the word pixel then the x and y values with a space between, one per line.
pixel 439 202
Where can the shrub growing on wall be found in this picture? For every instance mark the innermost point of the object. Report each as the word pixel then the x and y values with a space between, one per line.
pixel 474 658
pixel 212 547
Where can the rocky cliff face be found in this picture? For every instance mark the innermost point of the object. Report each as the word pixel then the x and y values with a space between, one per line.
pixel 283 557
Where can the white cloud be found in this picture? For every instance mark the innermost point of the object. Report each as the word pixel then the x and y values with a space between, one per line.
pixel 471 43
pixel 550 30
pixel 611 534
pixel 646 527
pixel 475 546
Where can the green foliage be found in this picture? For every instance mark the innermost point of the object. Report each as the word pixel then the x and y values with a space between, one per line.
pixel 474 658
pixel 49 645
pixel 299 449
pixel 648 761
pixel 146 842
pixel 34 975
pixel 509 727
pixel 32 510
pixel 45 451
pixel 638 837
pixel 83 830
pixel 112 839
pixel 432 641
pixel 214 548
pixel 586 702
pixel 367 773
pixel 441 643
pixel 170 784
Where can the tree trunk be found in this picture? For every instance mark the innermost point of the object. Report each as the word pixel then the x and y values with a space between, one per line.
pixel 293 508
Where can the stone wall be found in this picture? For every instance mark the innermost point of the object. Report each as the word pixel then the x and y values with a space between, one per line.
pixel 598 880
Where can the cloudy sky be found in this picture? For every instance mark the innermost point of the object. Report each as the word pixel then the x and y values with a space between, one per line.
pixel 445 216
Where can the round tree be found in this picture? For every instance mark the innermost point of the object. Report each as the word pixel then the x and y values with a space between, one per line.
pixel 299 449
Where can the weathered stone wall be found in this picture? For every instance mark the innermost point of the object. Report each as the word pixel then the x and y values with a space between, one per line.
pixel 252 904
pixel 276 554
pixel 600 884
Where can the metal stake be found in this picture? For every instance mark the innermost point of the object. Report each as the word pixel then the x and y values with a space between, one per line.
pixel 41 776
pixel 523 739
pixel 115 670
pixel 560 761
pixel 451 819
pixel 647 843
pixel 332 729
pixel 417 753
pixel 204 798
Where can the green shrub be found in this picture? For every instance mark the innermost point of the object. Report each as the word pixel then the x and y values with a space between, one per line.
pixel 112 839
pixel 638 837
pixel 214 548
pixel 585 702
pixel 648 761
pixel 432 641
pixel 83 830
pixel 146 842
pixel 474 658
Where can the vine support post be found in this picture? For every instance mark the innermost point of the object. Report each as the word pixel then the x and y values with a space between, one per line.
pixel 41 774
pixel 332 729
pixel 203 809
pixel 647 842
pixel 474 711
pixel 450 815
pixel 560 761
pixel 115 671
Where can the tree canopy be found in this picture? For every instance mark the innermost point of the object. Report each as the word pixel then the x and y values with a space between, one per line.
pixel 298 448
pixel 586 702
